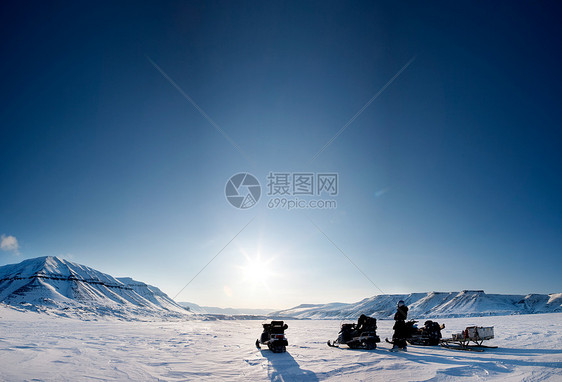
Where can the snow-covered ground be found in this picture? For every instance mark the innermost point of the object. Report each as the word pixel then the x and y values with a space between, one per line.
pixel 41 347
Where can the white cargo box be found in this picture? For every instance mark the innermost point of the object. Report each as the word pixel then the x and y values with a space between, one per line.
pixel 458 336
pixel 480 332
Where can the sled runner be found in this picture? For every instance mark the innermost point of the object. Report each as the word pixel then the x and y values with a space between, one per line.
pixel 362 335
pixel 274 337
pixel 475 334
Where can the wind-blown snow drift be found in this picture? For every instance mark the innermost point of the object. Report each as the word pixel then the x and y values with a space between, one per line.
pixel 58 286
pixel 433 305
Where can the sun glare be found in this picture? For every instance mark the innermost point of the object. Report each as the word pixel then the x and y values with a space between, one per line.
pixel 257 271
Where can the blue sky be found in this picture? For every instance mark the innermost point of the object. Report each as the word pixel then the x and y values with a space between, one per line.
pixel 448 180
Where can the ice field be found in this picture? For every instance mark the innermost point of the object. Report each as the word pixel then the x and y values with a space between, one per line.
pixel 41 347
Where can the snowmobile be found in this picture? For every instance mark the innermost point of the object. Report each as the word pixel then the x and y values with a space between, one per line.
pixel 362 335
pixel 274 337
pixel 429 335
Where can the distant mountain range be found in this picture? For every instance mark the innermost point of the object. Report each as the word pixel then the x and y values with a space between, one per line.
pixel 56 286
pixel 468 303
pixel 226 311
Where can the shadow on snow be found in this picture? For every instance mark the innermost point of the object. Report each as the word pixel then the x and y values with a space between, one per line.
pixel 283 367
pixel 461 358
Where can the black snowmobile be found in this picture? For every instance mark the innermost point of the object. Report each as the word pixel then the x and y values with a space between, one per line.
pixel 274 337
pixel 428 335
pixel 362 335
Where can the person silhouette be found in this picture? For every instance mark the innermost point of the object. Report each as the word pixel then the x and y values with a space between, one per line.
pixel 400 332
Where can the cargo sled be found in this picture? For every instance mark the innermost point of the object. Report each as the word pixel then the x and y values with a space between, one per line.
pixel 472 338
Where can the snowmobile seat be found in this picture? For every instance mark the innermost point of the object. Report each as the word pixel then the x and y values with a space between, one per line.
pixel 346 333
pixel 369 325
pixel 347 327
pixel 278 327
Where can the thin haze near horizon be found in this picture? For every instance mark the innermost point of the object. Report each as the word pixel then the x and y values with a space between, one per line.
pixel 121 124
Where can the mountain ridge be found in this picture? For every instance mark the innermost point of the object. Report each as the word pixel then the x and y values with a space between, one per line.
pixel 53 285
pixel 467 303
pixel 57 286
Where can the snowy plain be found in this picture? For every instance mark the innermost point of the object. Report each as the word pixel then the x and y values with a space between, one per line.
pixel 48 348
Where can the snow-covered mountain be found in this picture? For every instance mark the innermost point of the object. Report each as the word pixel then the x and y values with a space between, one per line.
pixel 57 286
pixel 433 305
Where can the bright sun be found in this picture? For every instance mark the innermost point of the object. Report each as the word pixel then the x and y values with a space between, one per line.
pixel 257 271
